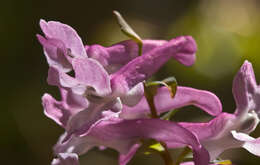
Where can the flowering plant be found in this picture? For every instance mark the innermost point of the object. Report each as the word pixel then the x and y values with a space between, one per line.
pixel 107 102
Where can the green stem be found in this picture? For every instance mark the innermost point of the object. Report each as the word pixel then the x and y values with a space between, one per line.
pixel 140 48
pixel 150 100
pixel 149 95
pixel 166 155
pixel 183 154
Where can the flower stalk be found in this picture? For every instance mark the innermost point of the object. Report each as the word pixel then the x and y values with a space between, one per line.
pixel 150 92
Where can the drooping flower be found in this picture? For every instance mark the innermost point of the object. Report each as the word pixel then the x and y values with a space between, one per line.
pixel 232 130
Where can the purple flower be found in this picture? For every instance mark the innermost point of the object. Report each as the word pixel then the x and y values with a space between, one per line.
pixel 117 55
pixel 125 135
pixel 112 130
pixel 104 79
pixel 232 130
pixel 185 96
pixel 61 44
pixel 93 90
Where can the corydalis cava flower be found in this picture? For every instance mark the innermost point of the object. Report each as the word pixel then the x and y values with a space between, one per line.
pixel 93 90
pixel 92 84
pixel 184 96
pixel 232 130
pixel 118 132
pixel 123 135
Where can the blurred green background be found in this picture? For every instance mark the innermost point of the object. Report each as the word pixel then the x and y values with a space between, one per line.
pixel 227 33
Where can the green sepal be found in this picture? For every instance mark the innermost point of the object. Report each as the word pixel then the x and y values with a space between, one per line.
pixel 170 83
pixel 127 30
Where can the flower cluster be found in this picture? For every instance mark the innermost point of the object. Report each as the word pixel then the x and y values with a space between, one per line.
pixel 105 100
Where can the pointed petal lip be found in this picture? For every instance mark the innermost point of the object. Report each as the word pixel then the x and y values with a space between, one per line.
pixel 65 33
pixel 144 66
pixel 185 96
pixel 244 88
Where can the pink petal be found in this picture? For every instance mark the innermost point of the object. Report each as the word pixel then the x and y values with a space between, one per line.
pixel 251 144
pixel 63 80
pixel 133 96
pixel 61 111
pixel 91 73
pixel 66 34
pixel 215 135
pixel 185 96
pixel 208 130
pixel 114 57
pixel 54 51
pixel 142 67
pixel 123 134
pixel 244 87
pixel 54 110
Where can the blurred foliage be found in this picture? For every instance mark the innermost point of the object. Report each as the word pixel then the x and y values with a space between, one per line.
pixel 227 33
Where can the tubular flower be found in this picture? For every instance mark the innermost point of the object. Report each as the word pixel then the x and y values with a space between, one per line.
pixel 125 136
pixel 117 55
pixel 184 96
pixel 104 81
pixel 92 88
pixel 232 130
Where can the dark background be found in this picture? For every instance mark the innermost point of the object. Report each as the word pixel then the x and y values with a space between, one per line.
pixel 227 33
